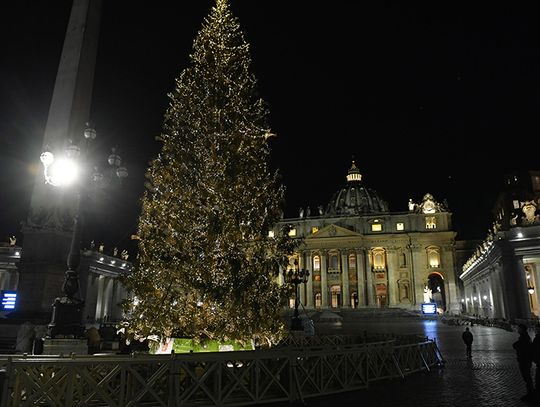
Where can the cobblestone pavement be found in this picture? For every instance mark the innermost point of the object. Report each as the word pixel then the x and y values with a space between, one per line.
pixel 491 378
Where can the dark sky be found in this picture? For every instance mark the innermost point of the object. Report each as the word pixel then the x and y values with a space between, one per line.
pixel 439 97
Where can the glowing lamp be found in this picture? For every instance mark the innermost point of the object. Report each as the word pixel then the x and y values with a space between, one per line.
pixel 62 172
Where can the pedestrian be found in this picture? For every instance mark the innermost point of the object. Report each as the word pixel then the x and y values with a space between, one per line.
pixel 467 337
pixel 536 359
pixel 523 347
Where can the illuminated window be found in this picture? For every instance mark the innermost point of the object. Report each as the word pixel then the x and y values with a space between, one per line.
pixel 400 226
pixel 516 204
pixel 270 233
pixel 314 229
pixel 292 232
pixel 379 262
pixel 376 227
pixel 316 263
pixel 434 257
pixel 431 222
pixel 352 262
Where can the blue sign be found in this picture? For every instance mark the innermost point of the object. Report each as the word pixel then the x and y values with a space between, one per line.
pixel 9 298
pixel 429 308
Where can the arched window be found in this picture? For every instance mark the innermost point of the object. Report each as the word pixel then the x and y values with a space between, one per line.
pixel 379 262
pixel 433 256
pixel 316 263
pixel 431 222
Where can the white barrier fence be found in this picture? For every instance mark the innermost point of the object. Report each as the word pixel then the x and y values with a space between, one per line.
pixel 208 379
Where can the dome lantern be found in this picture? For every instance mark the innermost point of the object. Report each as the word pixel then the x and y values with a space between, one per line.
pixel 355 198
pixel 354 174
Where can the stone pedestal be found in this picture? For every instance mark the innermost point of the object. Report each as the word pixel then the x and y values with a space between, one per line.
pixel 65 346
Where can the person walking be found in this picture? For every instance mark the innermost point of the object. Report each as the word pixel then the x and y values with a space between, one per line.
pixel 467 337
pixel 523 347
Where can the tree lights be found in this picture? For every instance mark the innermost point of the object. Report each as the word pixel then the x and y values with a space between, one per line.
pixel 207 267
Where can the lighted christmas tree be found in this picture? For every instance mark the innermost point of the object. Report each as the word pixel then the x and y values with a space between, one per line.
pixel 207 266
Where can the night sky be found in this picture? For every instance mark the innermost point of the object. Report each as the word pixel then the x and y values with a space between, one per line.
pixel 427 96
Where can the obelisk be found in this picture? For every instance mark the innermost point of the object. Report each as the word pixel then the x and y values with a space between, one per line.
pixel 48 228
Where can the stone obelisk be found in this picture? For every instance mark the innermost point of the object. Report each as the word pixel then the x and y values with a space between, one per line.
pixel 48 229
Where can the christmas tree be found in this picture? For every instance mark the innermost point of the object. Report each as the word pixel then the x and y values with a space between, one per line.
pixel 207 266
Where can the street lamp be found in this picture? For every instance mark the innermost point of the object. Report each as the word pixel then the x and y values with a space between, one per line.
pixel 64 171
pixel 296 276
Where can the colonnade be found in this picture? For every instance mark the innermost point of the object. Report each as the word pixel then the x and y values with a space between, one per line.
pixel 104 292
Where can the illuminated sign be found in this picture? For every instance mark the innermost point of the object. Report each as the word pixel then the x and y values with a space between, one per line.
pixel 429 308
pixel 9 298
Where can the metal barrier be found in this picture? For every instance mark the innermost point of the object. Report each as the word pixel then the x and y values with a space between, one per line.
pixel 208 379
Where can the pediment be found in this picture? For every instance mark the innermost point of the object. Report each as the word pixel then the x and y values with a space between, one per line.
pixel 333 231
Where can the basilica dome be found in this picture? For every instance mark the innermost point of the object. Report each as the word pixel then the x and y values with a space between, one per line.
pixel 355 198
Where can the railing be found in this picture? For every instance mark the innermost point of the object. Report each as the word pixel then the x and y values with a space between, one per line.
pixel 208 379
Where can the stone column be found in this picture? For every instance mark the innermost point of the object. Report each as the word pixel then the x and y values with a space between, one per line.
pixel 361 277
pixel 515 283
pixel 100 293
pixel 309 285
pixel 114 308
pixel 417 267
pixel 345 280
pixel 392 290
pixel 535 278
pixel 91 297
pixel 324 284
pixel 369 273
pixel 281 279
pixel 452 298
pixel 108 296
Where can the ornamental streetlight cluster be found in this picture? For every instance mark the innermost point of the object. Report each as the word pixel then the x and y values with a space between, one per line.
pixel 296 276
pixel 65 170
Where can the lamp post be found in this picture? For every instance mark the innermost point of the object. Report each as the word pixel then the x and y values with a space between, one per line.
pixel 296 276
pixel 64 171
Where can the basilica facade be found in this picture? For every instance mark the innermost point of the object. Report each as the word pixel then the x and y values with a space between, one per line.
pixel 361 255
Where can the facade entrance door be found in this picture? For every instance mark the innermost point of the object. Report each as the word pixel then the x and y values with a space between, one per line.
pixel 335 292
pixel 381 295
pixel 436 285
